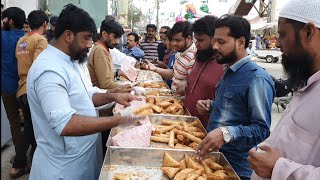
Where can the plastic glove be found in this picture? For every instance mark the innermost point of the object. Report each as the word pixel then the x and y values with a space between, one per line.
pixel 139 90
pixel 128 118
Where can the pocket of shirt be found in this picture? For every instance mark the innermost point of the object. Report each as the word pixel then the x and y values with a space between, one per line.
pixel 228 95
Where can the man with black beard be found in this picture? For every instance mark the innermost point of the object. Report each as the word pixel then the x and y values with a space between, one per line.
pixel 293 149
pixel 206 72
pixel 63 111
pixel 241 111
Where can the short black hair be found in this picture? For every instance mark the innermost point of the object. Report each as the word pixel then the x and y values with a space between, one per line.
pixel 165 27
pixel 151 26
pixel 181 26
pixel 109 25
pixel 36 19
pixel 16 14
pixel 205 25
pixel 238 26
pixel 74 19
pixel 26 21
pixel 136 37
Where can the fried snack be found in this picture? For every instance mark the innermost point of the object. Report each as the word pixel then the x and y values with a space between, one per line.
pixel 180 127
pixel 199 134
pixel 199 172
pixel 164 104
pixel 220 171
pixel 215 177
pixel 194 129
pixel 210 159
pixel 156 108
pixel 141 108
pixel 182 175
pixel 188 135
pixel 150 100
pixel 170 171
pixel 180 137
pixel 180 112
pixel 196 123
pixel 202 178
pixel 161 139
pixel 181 146
pixel 171 108
pixel 182 164
pixel 213 165
pixel 121 176
pixel 168 128
pixel 192 164
pixel 185 126
pixel 192 176
pixel 168 161
pixel 161 135
pixel 168 122
pixel 178 104
pixel 207 169
pixel 171 139
pixel 193 145
pixel 145 112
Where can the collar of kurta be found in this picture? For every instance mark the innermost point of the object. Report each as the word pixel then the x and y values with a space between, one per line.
pixel 313 79
pixel 102 44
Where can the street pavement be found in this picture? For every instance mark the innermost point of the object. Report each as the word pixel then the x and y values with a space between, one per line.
pixel 275 69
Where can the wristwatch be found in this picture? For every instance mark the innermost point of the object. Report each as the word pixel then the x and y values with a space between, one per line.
pixel 226 134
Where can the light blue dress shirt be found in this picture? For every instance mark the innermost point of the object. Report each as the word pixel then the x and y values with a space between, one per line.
pixel 56 92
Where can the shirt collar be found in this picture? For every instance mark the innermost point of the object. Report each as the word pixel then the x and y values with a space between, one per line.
pixel 314 78
pixel 239 64
pixel 61 54
pixel 192 47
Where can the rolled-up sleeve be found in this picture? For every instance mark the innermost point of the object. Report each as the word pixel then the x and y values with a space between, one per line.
pixel 260 98
pixel 51 89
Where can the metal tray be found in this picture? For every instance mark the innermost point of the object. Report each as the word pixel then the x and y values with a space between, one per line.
pixel 156 120
pixel 146 163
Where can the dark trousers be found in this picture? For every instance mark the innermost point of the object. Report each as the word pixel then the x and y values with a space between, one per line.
pixel 105 133
pixel 11 106
pixel 27 137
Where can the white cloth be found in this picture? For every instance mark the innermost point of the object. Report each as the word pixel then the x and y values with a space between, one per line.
pixel 302 11
pixel 118 57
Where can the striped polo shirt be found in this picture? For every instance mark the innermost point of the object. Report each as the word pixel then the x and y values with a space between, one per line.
pixel 182 68
pixel 150 49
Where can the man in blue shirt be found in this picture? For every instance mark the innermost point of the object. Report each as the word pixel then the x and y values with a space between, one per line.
pixel 133 50
pixel 13 19
pixel 241 112
pixel 64 119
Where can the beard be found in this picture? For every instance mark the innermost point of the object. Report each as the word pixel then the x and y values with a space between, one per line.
pixel 6 26
pixel 78 54
pixel 205 55
pixel 228 58
pixel 298 68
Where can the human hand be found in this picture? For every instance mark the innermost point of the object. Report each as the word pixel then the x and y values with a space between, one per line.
pixel 127 117
pixel 213 141
pixel 125 98
pixel 121 89
pixel 182 87
pixel 150 65
pixel 203 106
pixel 139 90
pixel 262 162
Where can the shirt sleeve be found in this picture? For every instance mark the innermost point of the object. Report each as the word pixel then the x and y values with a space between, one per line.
pixel 118 57
pixel 103 69
pixel 52 93
pixel 137 52
pixel 260 98
pixel 287 169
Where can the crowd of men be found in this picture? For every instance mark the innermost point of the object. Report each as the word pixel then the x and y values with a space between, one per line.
pixel 64 80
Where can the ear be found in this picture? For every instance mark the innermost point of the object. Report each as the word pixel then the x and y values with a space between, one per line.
pixel 68 35
pixel 242 42
pixel 104 34
pixel 310 30
pixel 189 38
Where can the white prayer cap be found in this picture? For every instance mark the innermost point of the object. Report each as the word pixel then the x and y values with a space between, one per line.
pixel 303 11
